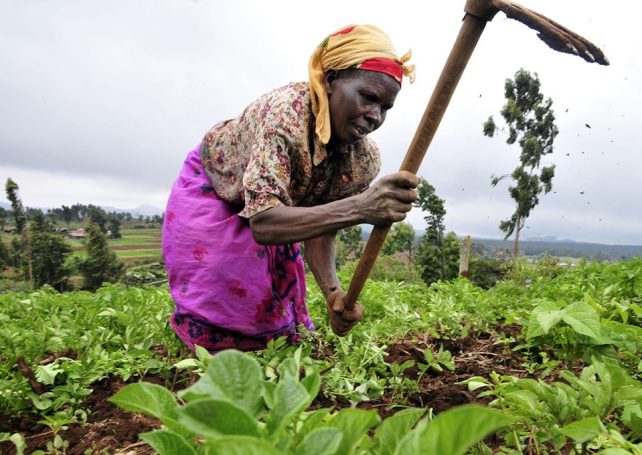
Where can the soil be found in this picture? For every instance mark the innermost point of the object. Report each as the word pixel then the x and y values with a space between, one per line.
pixel 109 429
pixel 112 430
pixel 477 354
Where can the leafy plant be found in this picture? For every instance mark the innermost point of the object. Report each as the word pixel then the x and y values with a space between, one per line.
pixel 577 412
pixel 233 406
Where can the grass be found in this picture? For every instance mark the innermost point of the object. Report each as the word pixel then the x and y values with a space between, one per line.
pixel 135 237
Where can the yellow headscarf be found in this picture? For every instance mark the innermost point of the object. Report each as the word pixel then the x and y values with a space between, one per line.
pixel 345 48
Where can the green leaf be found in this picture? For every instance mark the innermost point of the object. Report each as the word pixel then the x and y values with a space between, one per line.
pixel 584 320
pixel 549 311
pixel 453 432
pixel 584 430
pixel 149 399
pixel 17 439
pixel 240 445
pixel 614 451
pixel 232 376
pixel 394 428
pixel 322 441
pixel 46 374
pixel 632 418
pixel 202 354
pixel 525 401
pixel 168 443
pixel 290 398
pixel 353 423
pixel 214 418
pixel 311 420
pixel 312 382
pixel 186 363
pixel 548 319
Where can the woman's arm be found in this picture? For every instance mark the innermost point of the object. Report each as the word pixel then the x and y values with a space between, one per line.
pixel 320 256
pixel 385 202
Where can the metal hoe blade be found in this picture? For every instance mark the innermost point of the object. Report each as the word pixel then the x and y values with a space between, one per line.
pixel 555 35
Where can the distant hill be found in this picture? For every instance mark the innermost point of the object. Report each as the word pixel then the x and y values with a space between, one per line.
pixel 551 246
pixel 145 210
pixel 566 248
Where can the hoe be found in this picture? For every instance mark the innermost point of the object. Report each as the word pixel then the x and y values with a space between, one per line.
pixel 478 12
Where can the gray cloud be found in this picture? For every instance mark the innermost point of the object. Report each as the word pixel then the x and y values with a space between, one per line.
pixel 102 101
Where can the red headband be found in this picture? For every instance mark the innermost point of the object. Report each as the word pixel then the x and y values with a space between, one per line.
pixel 383 65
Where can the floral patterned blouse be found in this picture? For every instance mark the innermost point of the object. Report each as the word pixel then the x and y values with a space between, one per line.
pixel 269 156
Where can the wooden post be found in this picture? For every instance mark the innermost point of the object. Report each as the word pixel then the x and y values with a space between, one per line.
pixel 464 256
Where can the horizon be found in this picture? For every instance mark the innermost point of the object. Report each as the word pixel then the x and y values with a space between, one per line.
pixel 366 227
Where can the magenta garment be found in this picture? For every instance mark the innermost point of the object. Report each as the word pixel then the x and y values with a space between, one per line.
pixel 230 292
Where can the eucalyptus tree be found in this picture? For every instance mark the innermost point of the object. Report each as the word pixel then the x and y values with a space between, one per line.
pixel 531 124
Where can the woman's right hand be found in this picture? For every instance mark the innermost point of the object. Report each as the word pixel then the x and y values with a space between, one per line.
pixel 389 199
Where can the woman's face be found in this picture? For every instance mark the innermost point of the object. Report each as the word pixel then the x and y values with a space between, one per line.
pixel 359 102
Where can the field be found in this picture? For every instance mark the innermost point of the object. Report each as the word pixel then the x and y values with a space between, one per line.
pixel 135 245
pixel 547 362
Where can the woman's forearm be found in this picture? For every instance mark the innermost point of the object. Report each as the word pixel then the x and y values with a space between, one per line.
pixel 284 224
pixel 320 256
pixel 384 203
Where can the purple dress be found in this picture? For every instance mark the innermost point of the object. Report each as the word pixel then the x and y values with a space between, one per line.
pixel 230 292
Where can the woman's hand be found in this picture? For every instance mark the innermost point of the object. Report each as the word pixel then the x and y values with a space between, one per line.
pixel 341 319
pixel 389 199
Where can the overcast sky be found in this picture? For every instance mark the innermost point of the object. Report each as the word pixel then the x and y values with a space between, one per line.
pixel 101 101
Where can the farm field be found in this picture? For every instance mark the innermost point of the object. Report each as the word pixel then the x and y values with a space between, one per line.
pixel 135 244
pixel 547 362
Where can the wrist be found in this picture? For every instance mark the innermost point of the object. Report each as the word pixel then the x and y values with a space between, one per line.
pixel 329 289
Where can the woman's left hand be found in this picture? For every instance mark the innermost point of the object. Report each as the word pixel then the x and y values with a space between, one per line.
pixel 341 319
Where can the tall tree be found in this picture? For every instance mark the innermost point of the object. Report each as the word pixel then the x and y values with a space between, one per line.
pixel 20 217
pixel 18 211
pixel 101 264
pixel 438 254
pixel 49 254
pixel 531 123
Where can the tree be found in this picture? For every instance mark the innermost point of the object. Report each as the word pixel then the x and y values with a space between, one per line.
pixel 101 264
pixel 437 255
pixel 531 123
pixel 348 245
pixel 49 252
pixel 3 218
pixel 401 237
pixel 67 214
pixel 23 248
pixel 18 210
pixel 114 227
pixel 97 216
pixel 4 255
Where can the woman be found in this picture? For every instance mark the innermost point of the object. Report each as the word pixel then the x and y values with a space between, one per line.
pixel 295 166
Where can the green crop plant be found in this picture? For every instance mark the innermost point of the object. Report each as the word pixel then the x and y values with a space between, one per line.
pixel 233 409
pixel 599 410
pixel 70 340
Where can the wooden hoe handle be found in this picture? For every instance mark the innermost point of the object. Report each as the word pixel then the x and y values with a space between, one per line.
pixel 478 12
pixel 469 34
